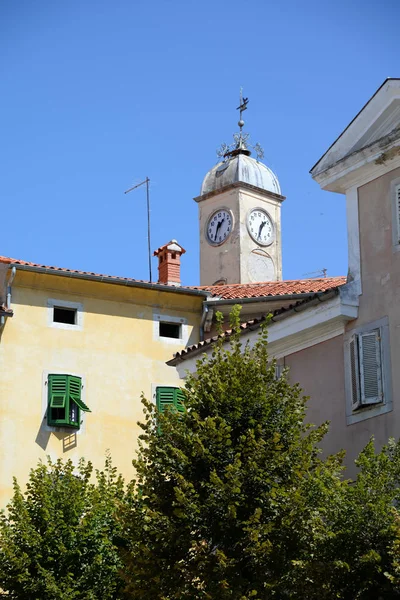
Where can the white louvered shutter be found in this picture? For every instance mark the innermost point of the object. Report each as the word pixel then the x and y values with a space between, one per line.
pixel 370 367
pixel 397 201
pixel 355 373
pixel 278 371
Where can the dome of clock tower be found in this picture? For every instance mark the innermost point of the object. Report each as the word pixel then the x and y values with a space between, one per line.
pixel 240 167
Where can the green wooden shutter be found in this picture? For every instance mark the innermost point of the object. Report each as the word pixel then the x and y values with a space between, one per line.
pixel 75 392
pixel 165 397
pixel 170 397
pixel 179 400
pixel 58 385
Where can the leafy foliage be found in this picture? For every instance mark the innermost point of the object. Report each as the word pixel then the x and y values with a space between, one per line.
pixel 232 500
pixel 361 550
pixel 57 540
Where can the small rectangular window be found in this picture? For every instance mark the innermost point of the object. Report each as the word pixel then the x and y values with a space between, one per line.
pixel 170 330
pixel 64 315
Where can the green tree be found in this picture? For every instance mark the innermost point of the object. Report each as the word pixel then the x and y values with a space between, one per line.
pixel 58 539
pixel 361 551
pixel 232 500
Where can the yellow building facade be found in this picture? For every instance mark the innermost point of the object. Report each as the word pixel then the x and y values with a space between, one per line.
pixel 112 336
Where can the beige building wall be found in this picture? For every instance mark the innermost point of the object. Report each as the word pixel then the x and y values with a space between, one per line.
pixel 380 283
pixel 116 352
pixel 380 258
pixel 319 370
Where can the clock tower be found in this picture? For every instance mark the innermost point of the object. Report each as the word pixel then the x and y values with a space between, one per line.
pixel 240 217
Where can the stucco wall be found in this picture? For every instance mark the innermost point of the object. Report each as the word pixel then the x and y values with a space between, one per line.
pixel 380 264
pixel 320 372
pixel 320 368
pixel 380 282
pixel 115 352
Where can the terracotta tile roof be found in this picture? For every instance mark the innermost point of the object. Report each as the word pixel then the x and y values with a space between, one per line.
pixel 273 288
pixel 277 315
pixel 101 277
pixel 195 348
pixel 229 291
pixel 15 261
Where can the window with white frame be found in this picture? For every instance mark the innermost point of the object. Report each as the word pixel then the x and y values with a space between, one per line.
pixel 64 314
pixel 397 203
pixel 366 369
pixel 367 362
pixel 395 193
pixel 170 328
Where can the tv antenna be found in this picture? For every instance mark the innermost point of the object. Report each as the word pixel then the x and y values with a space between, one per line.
pixel 147 182
pixel 317 274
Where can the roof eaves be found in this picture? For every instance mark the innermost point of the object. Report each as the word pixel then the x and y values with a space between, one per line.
pixel 278 315
pixel 237 184
pixel 112 279
pixel 352 121
pixel 250 299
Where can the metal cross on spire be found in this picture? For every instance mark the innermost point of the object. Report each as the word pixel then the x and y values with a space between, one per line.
pixel 242 107
pixel 241 144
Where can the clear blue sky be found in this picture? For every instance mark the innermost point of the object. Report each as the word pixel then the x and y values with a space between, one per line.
pixel 96 95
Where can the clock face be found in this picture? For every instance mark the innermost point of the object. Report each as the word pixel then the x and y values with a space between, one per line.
pixel 219 226
pixel 260 226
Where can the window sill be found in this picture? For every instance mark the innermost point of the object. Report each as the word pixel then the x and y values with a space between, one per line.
pixel 63 429
pixel 368 412
pixel 170 340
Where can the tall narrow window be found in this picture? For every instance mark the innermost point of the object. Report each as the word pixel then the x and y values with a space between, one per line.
pixel 366 369
pixel 397 205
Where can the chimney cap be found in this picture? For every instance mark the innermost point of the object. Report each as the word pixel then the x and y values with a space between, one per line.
pixel 172 245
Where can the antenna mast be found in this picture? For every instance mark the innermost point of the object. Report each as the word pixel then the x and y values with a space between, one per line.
pixel 147 182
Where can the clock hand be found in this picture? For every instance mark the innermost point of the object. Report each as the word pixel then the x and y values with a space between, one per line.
pixel 260 229
pixel 218 226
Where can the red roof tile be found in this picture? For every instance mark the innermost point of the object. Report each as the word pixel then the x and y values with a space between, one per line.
pixel 273 288
pixel 15 261
pixel 228 291
pixel 279 313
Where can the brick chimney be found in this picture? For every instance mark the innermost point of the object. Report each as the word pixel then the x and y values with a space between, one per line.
pixel 169 263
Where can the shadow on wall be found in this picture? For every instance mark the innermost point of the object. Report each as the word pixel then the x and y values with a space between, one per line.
pixel 68 438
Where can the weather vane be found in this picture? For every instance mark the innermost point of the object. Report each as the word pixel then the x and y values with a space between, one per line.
pixel 241 144
pixel 242 107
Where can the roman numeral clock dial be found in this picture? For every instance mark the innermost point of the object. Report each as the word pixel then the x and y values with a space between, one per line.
pixel 219 227
pixel 260 226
